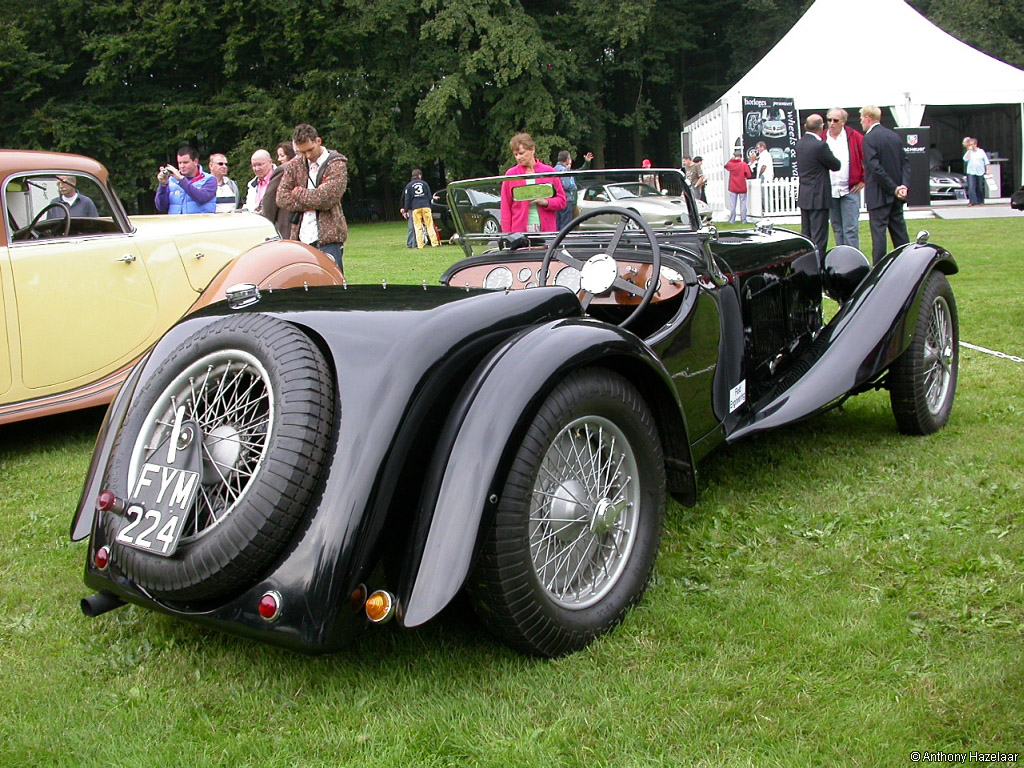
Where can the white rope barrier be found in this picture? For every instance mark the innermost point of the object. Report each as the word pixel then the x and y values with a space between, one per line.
pixel 1001 355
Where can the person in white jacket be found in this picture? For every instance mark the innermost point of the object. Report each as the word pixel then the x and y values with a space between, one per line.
pixel 263 167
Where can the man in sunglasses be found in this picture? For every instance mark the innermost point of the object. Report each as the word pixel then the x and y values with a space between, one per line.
pixel 227 189
pixel 848 147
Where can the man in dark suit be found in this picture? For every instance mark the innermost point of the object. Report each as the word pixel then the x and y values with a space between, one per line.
pixel 813 161
pixel 886 176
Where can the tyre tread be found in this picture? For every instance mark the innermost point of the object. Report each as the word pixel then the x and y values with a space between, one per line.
pixel 907 372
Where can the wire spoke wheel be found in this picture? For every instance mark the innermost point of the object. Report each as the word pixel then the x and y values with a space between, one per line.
pixel 938 355
pixel 584 512
pixel 228 394
pixel 574 540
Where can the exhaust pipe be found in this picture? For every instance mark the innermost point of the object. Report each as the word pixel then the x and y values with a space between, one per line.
pixel 101 602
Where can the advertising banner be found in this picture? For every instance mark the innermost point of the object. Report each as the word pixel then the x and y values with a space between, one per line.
pixel 773 121
pixel 916 142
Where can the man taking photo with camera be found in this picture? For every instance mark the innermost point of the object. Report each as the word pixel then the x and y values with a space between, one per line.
pixel 186 189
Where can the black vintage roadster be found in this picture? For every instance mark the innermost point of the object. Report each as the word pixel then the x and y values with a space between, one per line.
pixel 295 465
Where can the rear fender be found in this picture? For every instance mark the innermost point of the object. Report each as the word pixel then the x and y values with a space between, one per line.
pixel 869 332
pixel 85 515
pixel 274 265
pixel 398 357
pixel 478 443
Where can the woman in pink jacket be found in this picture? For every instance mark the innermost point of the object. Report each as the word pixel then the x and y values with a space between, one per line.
pixel 536 215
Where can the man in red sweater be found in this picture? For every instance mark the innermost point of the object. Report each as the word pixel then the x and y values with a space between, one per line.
pixel 739 172
pixel 847 144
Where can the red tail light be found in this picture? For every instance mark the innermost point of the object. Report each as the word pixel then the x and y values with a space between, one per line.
pixel 270 605
pixel 108 502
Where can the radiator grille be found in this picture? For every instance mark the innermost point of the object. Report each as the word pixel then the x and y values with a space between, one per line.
pixel 781 313
pixel 767 318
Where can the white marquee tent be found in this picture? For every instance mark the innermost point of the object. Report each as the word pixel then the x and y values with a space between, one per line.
pixel 894 58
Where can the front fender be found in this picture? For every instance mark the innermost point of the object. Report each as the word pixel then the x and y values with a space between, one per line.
pixel 868 333
pixel 481 436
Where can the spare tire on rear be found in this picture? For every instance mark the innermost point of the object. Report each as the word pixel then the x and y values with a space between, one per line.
pixel 262 396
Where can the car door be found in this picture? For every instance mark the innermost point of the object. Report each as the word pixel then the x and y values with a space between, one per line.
pixel 84 301
pixel 468 214
pixel 5 342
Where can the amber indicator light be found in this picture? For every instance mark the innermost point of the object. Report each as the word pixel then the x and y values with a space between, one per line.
pixel 380 606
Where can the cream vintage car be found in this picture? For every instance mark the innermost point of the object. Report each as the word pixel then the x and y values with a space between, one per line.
pixel 85 291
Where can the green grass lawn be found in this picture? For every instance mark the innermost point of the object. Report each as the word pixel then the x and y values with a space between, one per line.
pixel 840 595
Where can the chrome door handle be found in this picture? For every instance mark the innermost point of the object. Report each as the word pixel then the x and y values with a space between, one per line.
pixel 127 258
pixel 200 255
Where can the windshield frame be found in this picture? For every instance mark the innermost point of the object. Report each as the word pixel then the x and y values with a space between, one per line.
pixel 672 180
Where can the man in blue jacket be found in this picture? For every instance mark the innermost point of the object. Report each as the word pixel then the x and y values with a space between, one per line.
pixel 416 208
pixel 570 186
pixel 186 189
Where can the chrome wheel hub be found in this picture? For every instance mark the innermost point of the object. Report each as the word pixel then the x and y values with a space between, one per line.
pixel 567 505
pixel 221 450
pixel 606 514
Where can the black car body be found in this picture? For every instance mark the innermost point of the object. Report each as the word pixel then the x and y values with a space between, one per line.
pixel 371 451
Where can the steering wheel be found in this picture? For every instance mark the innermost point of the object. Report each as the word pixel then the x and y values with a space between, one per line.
pixel 32 230
pixel 599 272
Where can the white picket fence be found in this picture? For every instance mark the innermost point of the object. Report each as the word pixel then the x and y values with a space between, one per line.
pixel 775 198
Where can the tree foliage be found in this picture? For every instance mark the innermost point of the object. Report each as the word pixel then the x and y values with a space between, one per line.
pixel 993 26
pixel 439 84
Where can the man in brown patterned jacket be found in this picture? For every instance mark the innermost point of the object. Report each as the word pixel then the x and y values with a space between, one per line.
pixel 312 186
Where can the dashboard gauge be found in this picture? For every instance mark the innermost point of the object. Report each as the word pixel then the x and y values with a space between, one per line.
pixel 525 274
pixel 499 278
pixel 667 273
pixel 569 277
